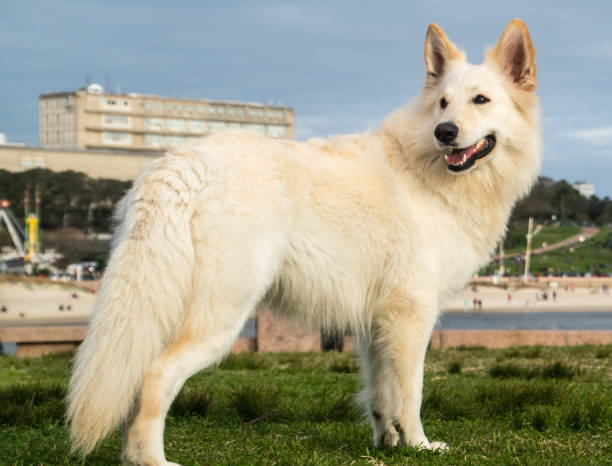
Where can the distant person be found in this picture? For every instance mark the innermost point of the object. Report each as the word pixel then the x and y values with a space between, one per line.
pixel 480 304
pixel 554 296
pixel 465 305
pixel 545 296
pixel 475 303
pixel 509 298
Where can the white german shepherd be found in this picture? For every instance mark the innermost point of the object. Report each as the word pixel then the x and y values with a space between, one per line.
pixel 370 233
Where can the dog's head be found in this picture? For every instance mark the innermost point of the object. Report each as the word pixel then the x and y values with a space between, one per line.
pixel 478 109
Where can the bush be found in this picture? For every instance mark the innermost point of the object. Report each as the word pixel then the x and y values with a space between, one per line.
pixel 191 402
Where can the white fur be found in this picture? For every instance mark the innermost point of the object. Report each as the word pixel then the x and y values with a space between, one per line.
pixel 368 233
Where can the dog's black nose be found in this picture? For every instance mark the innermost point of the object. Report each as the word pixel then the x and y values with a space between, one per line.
pixel 446 132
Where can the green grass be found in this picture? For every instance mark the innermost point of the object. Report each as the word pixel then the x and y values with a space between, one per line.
pixel 548 235
pixel 592 256
pixel 526 405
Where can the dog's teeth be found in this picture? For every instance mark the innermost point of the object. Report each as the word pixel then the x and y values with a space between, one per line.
pixel 464 158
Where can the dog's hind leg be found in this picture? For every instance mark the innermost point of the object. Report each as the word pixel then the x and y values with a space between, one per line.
pixel 228 281
pixel 190 353
pixel 393 359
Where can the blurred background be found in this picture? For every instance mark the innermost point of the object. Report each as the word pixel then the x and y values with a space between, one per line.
pixel 92 91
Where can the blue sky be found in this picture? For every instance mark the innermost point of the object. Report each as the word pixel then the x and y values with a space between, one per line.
pixel 342 65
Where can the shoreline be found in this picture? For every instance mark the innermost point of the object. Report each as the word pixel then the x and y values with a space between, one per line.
pixel 34 301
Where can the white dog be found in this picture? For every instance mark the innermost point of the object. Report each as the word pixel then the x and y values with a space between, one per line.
pixel 370 233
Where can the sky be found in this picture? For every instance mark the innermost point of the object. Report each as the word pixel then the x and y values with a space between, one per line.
pixel 342 65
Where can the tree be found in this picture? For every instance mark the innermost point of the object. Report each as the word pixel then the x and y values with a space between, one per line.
pixel 565 200
pixel 68 198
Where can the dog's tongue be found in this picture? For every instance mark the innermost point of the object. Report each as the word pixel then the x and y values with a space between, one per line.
pixel 459 156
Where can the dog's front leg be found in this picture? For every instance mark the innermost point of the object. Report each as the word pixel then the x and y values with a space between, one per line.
pixel 393 359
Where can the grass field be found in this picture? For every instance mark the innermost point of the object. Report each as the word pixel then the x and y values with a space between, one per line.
pixel 529 405
pixel 547 235
pixel 593 256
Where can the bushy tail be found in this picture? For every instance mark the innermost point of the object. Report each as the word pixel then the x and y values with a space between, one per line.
pixel 140 301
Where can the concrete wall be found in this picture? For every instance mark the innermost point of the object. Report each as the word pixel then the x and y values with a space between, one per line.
pixel 275 334
pixel 96 164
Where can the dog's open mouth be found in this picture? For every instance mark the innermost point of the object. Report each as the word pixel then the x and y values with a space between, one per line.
pixel 462 159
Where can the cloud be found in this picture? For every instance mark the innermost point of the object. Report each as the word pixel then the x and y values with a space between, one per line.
pixel 596 136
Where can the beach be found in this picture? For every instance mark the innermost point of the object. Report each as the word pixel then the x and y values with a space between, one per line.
pixel 37 301
pixel 560 298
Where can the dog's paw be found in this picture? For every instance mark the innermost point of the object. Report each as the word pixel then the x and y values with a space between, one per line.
pixel 390 438
pixel 435 446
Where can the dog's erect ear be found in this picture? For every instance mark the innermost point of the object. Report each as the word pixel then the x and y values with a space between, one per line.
pixel 439 51
pixel 515 54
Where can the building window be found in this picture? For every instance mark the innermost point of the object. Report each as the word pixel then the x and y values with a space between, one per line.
pixel 153 107
pixel 111 137
pixel 256 112
pixel 195 126
pixel 174 107
pixel 276 131
pixel 274 114
pixel 176 125
pixel 216 109
pixel 116 120
pixel 237 112
pixel 154 140
pixel 154 123
pixel 175 140
pixel 216 126
pixel 198 109
pixel 257 128
pixel 116 104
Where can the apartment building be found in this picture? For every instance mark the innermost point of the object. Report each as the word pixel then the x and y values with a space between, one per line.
pixel 89 118
pixel 585 189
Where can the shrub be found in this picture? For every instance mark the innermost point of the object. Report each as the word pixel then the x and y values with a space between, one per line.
pixel 191 402
pixel 454 367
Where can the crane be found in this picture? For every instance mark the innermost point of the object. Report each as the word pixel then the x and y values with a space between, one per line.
pixel 18 236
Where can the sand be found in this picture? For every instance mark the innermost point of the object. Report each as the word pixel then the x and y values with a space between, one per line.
pixel 37 302
pixel 33 302
pixel 531 299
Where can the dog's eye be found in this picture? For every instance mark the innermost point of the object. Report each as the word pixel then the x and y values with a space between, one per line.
pixel 480 99
pixel 443 102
